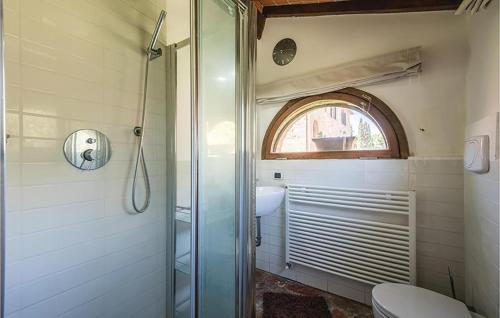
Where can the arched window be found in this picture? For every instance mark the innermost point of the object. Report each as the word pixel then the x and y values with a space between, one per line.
pixel 344 124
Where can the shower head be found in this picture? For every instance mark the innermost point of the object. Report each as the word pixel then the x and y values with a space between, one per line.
pixel 151 51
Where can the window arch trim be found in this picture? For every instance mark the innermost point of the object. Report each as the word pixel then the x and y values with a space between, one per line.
pixel 387 120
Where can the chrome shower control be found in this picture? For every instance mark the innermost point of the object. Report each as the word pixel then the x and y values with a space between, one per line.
pixel 138 131
pixel 88 155
pixel 87 149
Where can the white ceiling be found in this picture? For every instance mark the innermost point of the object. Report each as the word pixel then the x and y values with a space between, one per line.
pixel 178 20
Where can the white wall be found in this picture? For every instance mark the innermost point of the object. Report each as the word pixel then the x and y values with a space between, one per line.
pixel 183 127
pixel 434 101
pixel 177 23
pixel 428 101
pixel 74 249
pixel 481 191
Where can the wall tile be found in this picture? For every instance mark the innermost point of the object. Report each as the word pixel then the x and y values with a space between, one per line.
pixel 345 288
pixel 11 21
pixel 455 254
pixel 442 223
pixel 451 181
pixel 74 248
pixel 436 165
pixel 482 239
pixel 390 180
pixel 441 236
pixel 314 281
pixel 392 166
pixel 434 194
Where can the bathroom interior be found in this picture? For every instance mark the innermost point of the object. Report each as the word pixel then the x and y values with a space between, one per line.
pixel 237 158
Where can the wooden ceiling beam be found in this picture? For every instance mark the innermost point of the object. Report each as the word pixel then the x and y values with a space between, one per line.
pixel 258 5
pixel 359 7
pixel 261 23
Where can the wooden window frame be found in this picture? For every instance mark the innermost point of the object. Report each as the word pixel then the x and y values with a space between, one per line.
pixel 387 120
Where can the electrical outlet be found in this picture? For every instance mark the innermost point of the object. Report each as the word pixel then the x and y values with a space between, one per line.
pixel 277 175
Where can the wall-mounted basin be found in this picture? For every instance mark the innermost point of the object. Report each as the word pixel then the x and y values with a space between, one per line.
pixel 269 199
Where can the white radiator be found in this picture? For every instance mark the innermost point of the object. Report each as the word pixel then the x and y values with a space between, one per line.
pixel 365 235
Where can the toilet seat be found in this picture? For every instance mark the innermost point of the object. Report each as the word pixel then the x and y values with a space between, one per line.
pixel 406 301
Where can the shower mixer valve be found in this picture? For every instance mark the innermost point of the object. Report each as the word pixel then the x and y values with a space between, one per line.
pixel 87 149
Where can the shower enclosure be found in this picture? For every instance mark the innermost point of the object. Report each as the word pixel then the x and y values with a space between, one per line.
pixel 74 242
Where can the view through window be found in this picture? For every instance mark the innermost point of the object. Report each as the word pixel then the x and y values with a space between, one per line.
pixel 330 127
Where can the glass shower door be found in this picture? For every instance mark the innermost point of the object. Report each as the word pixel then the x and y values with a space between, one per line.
pixel 211 162
pixel 217 159
pixel 221 200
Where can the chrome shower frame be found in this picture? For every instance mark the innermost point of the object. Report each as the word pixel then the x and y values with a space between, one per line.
pixel 246 28
pixel 246 158
pixel 194 76
pixel 3 141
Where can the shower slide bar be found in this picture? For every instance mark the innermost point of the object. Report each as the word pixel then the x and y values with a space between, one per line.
pixel 364 235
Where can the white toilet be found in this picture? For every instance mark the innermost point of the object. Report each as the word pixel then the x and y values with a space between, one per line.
pixel 405 301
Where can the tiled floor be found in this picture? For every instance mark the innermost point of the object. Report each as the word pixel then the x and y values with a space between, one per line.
pixel 340 307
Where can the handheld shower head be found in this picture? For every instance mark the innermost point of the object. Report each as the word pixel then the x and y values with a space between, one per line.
pixel 151 51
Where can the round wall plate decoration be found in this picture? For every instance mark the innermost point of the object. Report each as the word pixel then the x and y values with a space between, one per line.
pixel 284 51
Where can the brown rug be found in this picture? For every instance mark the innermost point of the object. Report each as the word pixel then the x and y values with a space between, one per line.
pixel 277 305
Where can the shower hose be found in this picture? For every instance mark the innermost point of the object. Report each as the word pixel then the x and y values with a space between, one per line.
pixel 139 131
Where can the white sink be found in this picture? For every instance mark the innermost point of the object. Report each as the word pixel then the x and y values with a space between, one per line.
pixel 269 199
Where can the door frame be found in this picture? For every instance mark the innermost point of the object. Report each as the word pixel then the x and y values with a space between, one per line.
pixel 245 238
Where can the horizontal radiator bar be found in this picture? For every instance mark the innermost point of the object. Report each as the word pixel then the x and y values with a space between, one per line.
pixel 364 235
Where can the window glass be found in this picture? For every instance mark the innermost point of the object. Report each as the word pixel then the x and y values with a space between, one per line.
pixel 330 127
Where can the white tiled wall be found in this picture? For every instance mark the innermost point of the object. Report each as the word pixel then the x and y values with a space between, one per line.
pixel 481 191
pixel 482 235
pixel 440 222
pixel 481 196
pixel 439 186
pixel 74 249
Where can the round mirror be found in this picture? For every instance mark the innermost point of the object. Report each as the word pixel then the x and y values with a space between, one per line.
pixel 87 149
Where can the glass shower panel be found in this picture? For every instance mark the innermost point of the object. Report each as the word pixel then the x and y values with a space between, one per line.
pixel 217 159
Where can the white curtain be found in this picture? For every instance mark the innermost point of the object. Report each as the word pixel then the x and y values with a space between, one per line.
pixel 354 74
